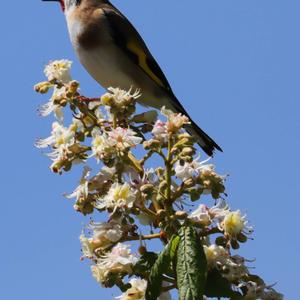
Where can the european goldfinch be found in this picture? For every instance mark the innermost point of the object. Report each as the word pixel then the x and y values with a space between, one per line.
pixel 115 55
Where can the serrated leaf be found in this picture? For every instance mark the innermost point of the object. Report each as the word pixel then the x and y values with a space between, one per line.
pixel 160 267
pixel 174 246
pixel 218 287
pixel 191 265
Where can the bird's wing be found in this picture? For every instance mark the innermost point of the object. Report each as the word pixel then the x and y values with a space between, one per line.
pixel 127 37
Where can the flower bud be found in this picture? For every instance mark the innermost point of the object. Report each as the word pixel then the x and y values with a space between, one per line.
pixel 242 238
pixel 187 151
pixel 73 87
pixel 185 136
pixel 152 144
pixel 161 213
pixel 181 215
pixel 107 99
pixel 163 186
pixel 221 241
pixel 43 87
pixel 160 171
pixel 147 188
pixel 189 183
pixel 234 244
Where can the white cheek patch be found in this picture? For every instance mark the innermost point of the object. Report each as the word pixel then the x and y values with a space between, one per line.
pixel 75 29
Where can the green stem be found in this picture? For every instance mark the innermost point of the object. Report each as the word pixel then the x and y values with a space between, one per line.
pixel 142 237
pixel 168 176
pixel 114 121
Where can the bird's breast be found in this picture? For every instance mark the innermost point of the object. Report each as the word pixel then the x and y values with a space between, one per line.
pixel 105 61
pixel 87 28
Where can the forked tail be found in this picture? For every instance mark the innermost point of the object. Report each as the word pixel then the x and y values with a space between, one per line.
pixel 204 141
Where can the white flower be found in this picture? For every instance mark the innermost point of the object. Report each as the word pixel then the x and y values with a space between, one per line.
pixel 103 235
pixel 98 273
pixel 97 181
pixel 60 135
pixel 119 260
pixel 160 130
pixel 205 215
pixel 58 70
pixel 52 106
pixel 82 191
pixel 123 138
pixel 119 195
pixel 215 254
pixel 149 177
pixel 119 96
pixel 192 169
pixel 234 223
pixel 86 248
pixel 201 215
pixel 232 268
pixel 100 145
pixel 138 290
pixel 175 120
pixel 220 210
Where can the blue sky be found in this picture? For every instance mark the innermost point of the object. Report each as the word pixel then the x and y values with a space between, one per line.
pixel 234 65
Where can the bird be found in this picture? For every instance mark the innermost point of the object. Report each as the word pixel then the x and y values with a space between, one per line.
pixel 115 55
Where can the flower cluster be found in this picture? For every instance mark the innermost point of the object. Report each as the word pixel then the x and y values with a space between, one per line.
pixel 118 149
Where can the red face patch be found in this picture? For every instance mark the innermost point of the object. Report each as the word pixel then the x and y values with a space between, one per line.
pixel 62 4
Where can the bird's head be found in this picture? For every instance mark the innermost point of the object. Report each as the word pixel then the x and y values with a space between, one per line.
pixel 65 4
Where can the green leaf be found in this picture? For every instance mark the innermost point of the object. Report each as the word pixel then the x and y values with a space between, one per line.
pixel 173 245
pixel 160 267
pixel 218 287
pixel 145 263
pixel 191 265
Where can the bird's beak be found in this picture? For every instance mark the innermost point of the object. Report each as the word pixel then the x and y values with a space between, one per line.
pixel 62 3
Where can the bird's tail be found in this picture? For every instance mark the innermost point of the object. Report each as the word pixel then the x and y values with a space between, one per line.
pixel 204 141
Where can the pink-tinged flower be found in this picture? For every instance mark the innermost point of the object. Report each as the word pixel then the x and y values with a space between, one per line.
pixel 220 210
pixel 201 215
pixel 119 261
pixel 160 130
pixel 123 138
pixel 206 216
pixel 192 169
pixel 175 120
